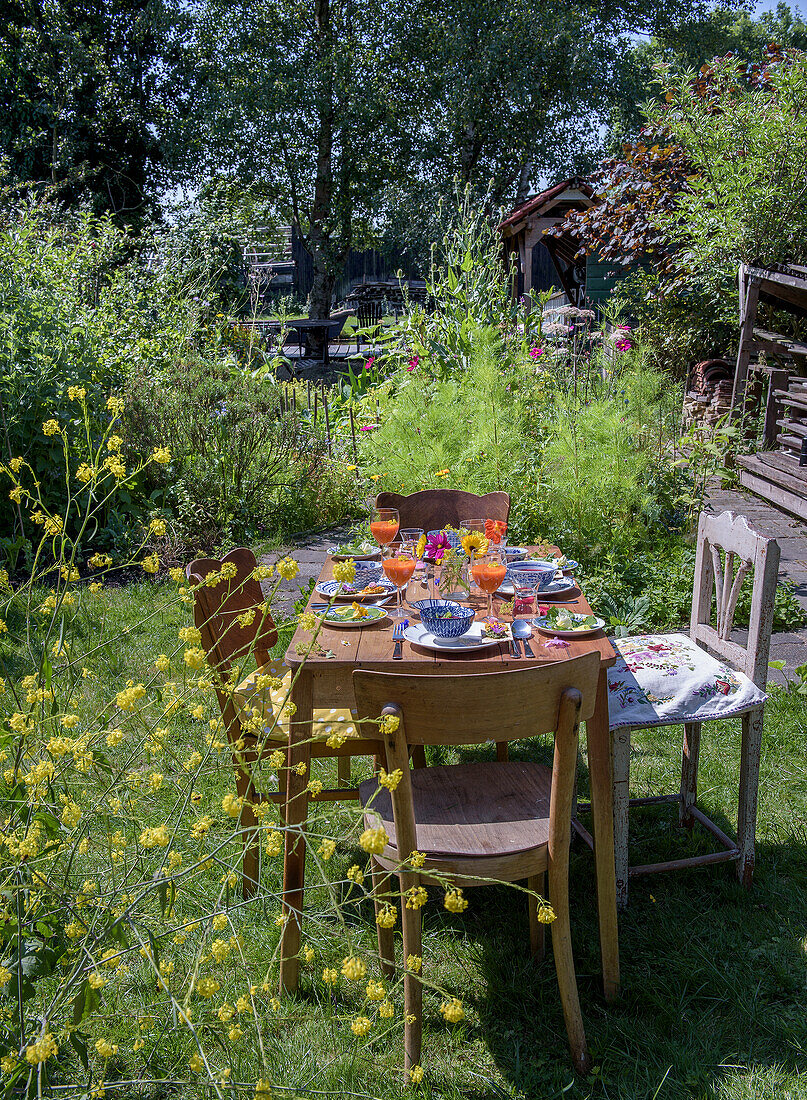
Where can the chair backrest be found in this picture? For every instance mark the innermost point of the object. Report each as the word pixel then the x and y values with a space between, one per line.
pixel 432 509
pixel 216 609
pixel 717 577
pixel 369 313
pixel 469 709
pixel 466 710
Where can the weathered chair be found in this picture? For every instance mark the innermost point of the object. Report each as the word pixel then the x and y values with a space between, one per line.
pixel 228 641
pixel 432 509
pixel 663 680
pixel 475 823
pixel 368 316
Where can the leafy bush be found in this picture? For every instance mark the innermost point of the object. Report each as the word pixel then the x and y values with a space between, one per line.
pixel 237 457
pixel 75 310
pixel 653 591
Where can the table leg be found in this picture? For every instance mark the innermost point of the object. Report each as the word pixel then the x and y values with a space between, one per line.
pixel 599 761
pixel 296 814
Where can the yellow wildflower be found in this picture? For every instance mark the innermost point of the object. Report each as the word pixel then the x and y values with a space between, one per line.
pixel 454 901
pixel 374 841
pixel 353 968
pixel 360 1026
pixel 452 1011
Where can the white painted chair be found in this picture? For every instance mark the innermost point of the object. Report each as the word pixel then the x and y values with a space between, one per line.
pixel 662 680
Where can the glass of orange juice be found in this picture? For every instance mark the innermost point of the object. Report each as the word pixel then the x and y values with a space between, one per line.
pixel 384 524
pixel 488 571
pixel 399 569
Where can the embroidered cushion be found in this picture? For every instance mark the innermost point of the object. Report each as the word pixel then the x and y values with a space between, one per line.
pixel 256 698
pixel 665 679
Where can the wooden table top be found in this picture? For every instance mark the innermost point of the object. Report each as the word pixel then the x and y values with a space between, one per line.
pixel 372 646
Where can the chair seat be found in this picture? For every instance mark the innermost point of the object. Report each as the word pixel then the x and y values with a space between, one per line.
pixel 666 679
pixel 470 810
pixel 253 702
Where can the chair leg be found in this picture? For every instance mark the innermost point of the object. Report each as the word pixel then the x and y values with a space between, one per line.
pixel 621 763
pixel 343 771
pixel 413 990
pixel 418 756
pixel 502 753
pixel 250 863
pixel 689 773
pixel 386 944
pixel 537 883
pixel 564 964
pixel 749 788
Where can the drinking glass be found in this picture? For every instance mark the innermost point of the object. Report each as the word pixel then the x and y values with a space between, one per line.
pixel 384 524
pixel 489 571
pixel 399 568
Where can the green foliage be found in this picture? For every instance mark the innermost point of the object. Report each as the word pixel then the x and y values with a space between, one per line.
pixel 87 91
pixel 746 135
pixel 74 311
pixel 236 456
pixel 461 430
pixel 653 591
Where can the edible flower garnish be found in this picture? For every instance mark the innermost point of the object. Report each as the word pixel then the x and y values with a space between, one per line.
pixel 474 541
pixel 421 546
pixel 360 611
pixel 494 530
pixel 492 628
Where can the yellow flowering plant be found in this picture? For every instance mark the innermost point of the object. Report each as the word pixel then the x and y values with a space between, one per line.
pixel 123 929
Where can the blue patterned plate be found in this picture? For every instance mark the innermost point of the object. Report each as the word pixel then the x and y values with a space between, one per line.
pixel 338 591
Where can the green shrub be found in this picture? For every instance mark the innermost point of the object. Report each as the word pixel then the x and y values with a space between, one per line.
pixel 76 310
pixel 236 454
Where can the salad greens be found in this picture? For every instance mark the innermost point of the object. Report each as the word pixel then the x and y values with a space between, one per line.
pixel 562 619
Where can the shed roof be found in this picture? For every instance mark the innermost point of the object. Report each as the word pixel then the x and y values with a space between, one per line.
pixel 544 201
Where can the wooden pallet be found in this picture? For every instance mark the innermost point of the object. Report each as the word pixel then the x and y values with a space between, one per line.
pixel 776 477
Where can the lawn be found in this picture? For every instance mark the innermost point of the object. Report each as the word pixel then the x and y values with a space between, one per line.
pixel 714 979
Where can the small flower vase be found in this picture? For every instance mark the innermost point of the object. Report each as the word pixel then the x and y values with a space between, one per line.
pixel 454 583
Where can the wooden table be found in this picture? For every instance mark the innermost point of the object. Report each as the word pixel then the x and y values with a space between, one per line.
pixel 319 682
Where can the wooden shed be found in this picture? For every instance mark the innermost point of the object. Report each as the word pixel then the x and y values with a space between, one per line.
pixel 537 261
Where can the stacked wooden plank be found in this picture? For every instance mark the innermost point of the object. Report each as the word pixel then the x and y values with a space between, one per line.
pixel 776 474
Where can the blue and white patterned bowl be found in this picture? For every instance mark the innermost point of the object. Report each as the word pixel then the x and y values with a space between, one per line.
pixel 532 574
pixel 455 627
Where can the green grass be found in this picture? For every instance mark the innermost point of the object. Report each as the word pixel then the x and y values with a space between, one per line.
pixel 714 978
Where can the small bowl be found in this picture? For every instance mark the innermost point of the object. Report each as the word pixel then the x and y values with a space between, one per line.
pixel 455 627
pixel 537 575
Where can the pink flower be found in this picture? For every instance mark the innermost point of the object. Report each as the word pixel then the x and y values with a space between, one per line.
pixel 369 363
pixel 413 362
pixel 556 643
pixel 436 545
pixel 535 352
pixel 368 427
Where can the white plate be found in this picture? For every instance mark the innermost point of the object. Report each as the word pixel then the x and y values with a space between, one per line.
pixel 330 589
pixel 336 556
pixel 339 623
pixel 541 624
pixel 552 591
pixel 466 643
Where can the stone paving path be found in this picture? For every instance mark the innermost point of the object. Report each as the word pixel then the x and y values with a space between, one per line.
pixel 311 553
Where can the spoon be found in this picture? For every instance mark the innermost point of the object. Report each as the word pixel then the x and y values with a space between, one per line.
pixel 522 631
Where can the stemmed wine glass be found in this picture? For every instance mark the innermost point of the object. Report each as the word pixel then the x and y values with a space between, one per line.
pixel 489 570
pixel 399 568
pixel 384 524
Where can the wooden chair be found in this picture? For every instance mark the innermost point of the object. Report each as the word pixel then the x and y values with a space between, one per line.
pixel 663 680
pixel 368 315
pixel 478 822
pixel 227 642
pixel 432 509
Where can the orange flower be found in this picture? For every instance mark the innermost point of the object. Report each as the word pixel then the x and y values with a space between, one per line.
pixel 494 529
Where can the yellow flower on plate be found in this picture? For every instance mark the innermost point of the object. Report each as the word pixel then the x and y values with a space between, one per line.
pixel 360 612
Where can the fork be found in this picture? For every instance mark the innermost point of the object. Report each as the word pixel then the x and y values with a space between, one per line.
pixel 398 638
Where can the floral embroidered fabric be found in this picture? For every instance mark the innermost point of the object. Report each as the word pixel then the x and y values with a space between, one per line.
pixel 665 679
